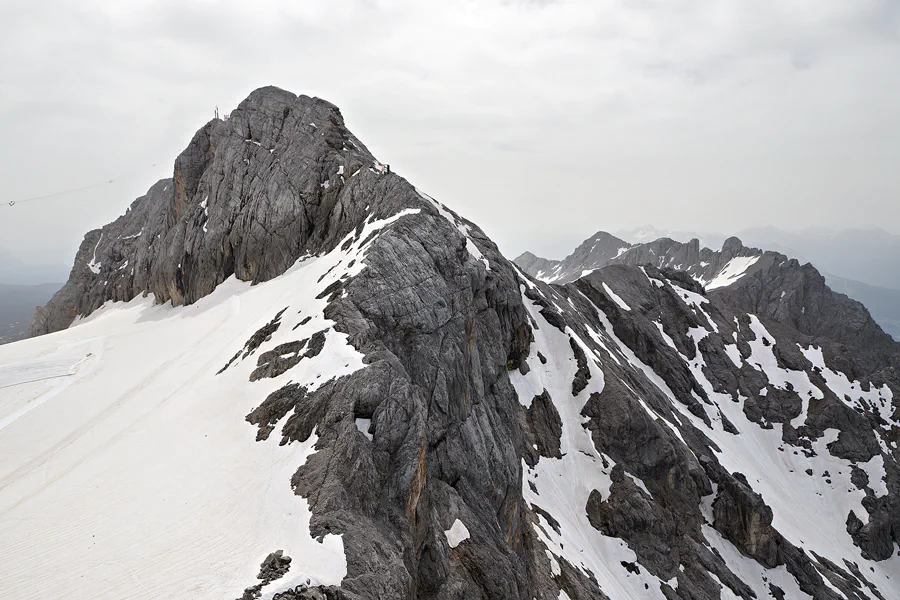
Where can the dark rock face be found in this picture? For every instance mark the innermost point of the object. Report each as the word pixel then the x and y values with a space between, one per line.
pixel 742 516
pixel 625 435
pixel 583 374
pixel 279 360
pixel 283 178
pixel 796 295
pixel 543 431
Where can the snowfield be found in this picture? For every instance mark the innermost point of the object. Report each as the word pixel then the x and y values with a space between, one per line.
pixel 731 272
pixel 127 469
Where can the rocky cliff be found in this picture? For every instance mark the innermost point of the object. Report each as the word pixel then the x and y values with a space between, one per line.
pixel 625 435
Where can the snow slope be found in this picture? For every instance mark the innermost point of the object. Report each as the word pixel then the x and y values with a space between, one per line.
pixel 731 272
pixel 127 469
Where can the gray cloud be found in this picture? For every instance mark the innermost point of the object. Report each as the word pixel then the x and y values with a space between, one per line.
pixel 541 121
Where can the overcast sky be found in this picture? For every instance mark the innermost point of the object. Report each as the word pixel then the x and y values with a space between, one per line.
pixel 542 121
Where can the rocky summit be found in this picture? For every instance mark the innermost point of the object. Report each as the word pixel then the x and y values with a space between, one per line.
pixel 287 373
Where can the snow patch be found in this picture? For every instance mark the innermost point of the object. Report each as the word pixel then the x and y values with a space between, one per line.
pixel 363 426
pixel 638 483
pixel 874 468
pixel 734 354
pixel 615 298
pixel 457 534
pixel 732 271
pixel 94 265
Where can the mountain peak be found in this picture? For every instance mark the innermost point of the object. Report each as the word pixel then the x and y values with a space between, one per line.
pixel 732 245
pixel 249 195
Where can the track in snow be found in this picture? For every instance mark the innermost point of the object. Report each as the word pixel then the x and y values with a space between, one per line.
pixel 37 370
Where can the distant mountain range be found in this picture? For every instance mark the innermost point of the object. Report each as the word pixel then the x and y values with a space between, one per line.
pixel 710 267
pixel 870 256
pixel 883 303
pixel 22 289
pixel 861 263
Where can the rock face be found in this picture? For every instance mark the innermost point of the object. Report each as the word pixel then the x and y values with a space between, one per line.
pixel 624 435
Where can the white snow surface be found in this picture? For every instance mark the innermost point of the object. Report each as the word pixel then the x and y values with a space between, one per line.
pixel 732 271
pixel 94 266
pixel 638 483
pixel 457 534
pixel 127 469
pixel 615 298
pixel 205 207
pixel 58 364
pixel 734 354
pixel 363 426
